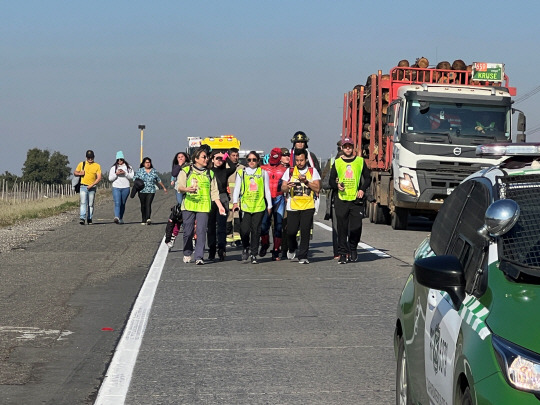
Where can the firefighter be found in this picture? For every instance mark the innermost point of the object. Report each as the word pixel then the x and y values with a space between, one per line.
pixel 350 178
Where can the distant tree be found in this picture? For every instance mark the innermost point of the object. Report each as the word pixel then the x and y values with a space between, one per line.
pixel 10 178
pixel 42 167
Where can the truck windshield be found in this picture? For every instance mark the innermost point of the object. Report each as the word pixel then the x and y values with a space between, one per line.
pixel 458 119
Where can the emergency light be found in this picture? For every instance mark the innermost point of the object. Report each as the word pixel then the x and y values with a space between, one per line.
pixel 509 149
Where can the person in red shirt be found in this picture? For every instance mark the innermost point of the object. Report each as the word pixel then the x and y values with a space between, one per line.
pixel 275 171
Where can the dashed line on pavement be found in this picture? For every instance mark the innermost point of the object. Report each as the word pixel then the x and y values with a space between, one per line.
pixel 113 390
pixel 362 245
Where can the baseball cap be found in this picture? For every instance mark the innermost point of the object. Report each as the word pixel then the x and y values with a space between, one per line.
pixel 89 154
pixel 346 141
pixel 285 152
pixel 275 156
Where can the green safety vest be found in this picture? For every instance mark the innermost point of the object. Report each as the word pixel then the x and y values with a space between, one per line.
pixel 252 193
pixel 200 200
pixel 349 174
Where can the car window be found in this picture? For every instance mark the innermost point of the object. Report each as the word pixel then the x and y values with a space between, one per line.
pixel 457 232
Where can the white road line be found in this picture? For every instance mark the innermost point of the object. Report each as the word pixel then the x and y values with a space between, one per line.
pixel 364 246
pixel 115 385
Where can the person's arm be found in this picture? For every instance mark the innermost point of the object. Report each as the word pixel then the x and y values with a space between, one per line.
pixel 237 187
pixel 365 179
pixel 79 171
pixel 267 194
pixel 130 173
pixel 214 196
pixel 181 183
pixel 332 180
pixel 316 163
pixel 315 183
pixel 175 170
pixel 112 174
pixel 285 181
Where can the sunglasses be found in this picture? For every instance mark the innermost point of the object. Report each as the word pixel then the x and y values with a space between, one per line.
pixel 252 159
pixel 218 158
pixel 203 157
pixel 286 154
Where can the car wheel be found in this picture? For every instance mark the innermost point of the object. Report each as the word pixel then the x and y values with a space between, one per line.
pixel 402 378
pixel 466 397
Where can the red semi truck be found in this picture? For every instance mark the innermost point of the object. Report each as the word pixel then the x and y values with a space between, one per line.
pixel 418 128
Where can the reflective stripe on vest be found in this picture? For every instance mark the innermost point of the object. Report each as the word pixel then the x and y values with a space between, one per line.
pixel 349 174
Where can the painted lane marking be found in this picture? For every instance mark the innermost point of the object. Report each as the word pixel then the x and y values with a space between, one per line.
pixel 115 385
pixel 362 245
pixel 31 333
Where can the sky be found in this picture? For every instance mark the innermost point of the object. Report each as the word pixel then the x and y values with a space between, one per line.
pixel 78 75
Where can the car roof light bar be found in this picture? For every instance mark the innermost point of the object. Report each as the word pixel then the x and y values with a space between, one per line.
pixel 508 149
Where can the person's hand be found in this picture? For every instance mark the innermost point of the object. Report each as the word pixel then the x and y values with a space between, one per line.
pixel 191 189
pixel 222 210
pixel 165 189
pixel 291 184
pixel 235 207
pixel 341 186
pixel 269 210
pixel 172 183
pixel 360 194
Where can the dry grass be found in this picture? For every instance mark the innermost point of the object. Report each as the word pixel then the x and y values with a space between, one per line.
pixel 12 212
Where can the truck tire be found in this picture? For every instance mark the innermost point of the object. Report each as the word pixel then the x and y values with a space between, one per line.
pixel 380 214
pixel 400 217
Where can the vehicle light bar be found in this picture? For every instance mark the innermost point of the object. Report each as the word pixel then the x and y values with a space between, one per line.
pixel 508 149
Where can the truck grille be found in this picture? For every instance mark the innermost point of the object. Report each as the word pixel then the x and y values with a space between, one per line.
pixel 445 174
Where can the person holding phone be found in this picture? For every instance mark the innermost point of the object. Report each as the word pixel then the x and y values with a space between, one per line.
pixel 120 174
pixel 252 194
pixel 302 183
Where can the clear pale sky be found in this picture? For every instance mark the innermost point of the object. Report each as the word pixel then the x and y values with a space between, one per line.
pixel 79 75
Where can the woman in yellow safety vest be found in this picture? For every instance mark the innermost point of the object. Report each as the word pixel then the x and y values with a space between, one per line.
pixel 253 191
pixel 200 188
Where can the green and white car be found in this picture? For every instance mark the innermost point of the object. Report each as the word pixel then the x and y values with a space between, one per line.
pixel 468 319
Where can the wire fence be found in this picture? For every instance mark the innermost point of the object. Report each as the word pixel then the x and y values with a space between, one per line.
pixel 31 191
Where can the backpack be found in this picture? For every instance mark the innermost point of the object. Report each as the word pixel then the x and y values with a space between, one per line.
pixel 76 181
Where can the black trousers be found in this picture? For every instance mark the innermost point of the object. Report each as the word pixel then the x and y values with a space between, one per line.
pixel 250 231
pixel 299 220
pixel 216 233
pixel 349 225
pixel 146 205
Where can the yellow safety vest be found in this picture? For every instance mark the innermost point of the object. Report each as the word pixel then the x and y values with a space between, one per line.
pixel 302 197
pixel 200 200
pixel 252 195
pixel 349 174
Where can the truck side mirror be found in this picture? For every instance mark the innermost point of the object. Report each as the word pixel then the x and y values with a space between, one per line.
pixel 522 122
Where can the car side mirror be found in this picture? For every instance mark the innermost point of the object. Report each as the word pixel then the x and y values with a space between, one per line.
pixel 443 273
pixel 500 217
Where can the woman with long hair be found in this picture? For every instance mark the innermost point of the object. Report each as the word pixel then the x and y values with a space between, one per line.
pixel 180 160
pixel 217 224
pixel 150 177
pixel 200 189
pixel 120 174
pixel 252 189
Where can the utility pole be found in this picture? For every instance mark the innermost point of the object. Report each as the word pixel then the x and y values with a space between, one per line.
pixel 142 127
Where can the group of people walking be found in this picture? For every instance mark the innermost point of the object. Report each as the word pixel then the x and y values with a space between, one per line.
pixel 216 196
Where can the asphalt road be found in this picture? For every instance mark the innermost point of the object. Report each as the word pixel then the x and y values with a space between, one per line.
pixel 223 333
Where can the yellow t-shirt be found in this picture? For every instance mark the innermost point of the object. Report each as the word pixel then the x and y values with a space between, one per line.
pixel 91 171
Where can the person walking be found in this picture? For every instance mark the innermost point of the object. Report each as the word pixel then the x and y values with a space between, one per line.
pixel 200 189
pixel 120 174
pixel 217 224
pixel 350 178
pixel 150 177
pixel 285 162
pixel 253 191
pixel 234 218
pixel 275 171
pixel 180 160
pixel 302 183
pixel 90 173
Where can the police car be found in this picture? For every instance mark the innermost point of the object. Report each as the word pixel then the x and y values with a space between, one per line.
pixel 468 319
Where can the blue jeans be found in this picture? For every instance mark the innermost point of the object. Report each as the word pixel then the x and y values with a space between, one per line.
pixel 120 196
pixel 179 197
pixel 87 202
pixel 278 210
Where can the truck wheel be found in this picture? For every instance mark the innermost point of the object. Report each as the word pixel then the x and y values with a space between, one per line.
pixel 380 215
pixel 400 218
pixel 402 378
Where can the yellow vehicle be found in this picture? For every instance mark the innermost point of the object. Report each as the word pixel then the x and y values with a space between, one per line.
pixel 222 143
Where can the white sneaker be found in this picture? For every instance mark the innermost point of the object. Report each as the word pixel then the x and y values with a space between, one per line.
pixel 187 259
pixel 116 220
pixel 148 221
pixel 290 255
pixel 303 261
pixel 170 244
